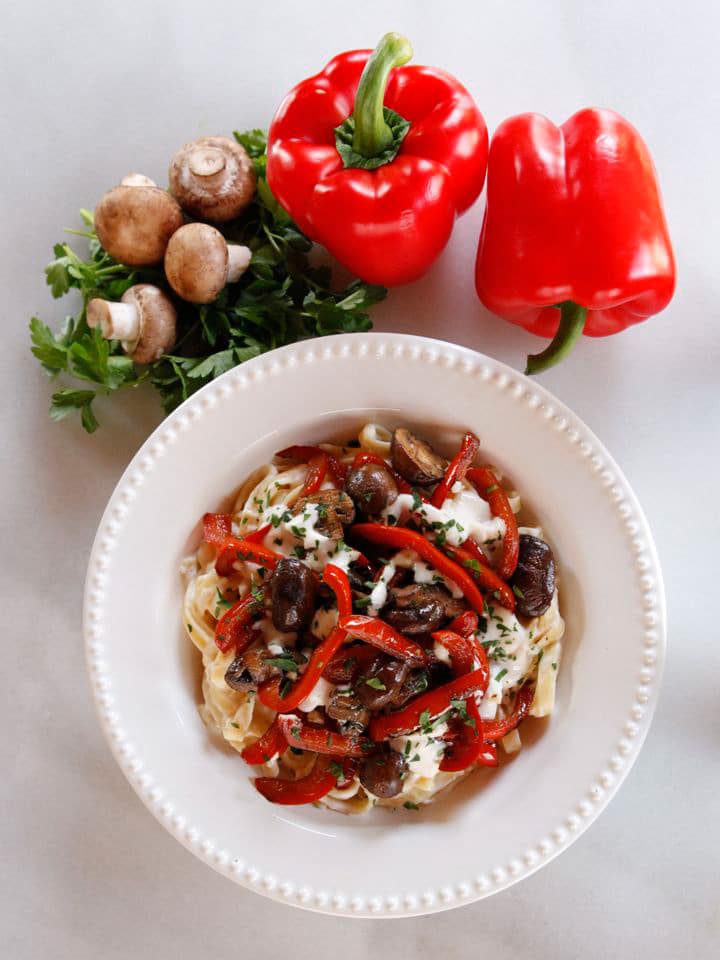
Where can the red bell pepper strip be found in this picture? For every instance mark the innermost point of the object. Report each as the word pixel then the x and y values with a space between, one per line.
pixel 486 484
pixel 364 456
pixel 233 628
pixel 550 258
pixel 349 663
pixel 317 468
pixel 257 536
pixel 317 739
pixel 217 527
pixel 270 744
pixel 235 549
pixel 482 571
pixel 470 746
pixel 461 650
pixel 317 784
pixel 374 160
pixel 465 623
pixel 457 469
pixel 381 635
pixel 433 703
pixel 496 729
pixel 403 539
pixel 269 691
pixel 305 452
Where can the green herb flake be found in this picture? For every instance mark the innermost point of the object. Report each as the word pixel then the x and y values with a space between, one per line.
pixel 409 805
pixel 375 683
pixel 501 674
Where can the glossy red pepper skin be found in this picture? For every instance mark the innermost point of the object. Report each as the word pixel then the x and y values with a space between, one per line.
pixel 460 648
pixel 389 224
pixel 485 482
pixel 248 550
pixel 457 469
pixel 389 725
pixel 496 729
pixel 472 559
pixel 217 527
pixel 573 214
pixel 470 746
pixel 233 628
pixel 308 736
pixel 305 452
pixel 270 744
pixel 402 538
pixel 381 635
pixel 317 784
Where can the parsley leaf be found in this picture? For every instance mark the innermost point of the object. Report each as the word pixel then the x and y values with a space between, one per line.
pixel 375 683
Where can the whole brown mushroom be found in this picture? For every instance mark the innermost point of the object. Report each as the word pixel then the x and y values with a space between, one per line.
pixel 135 220
pixel 144 321
pixel 213 178
pixel 199 262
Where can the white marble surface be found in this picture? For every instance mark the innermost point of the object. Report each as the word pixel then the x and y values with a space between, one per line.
pixel 89 91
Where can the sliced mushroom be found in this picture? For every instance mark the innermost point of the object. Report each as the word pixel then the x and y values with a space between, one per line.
pixel 292 591
pixel 213 178
pixel 381 682
pixel 199 262
pixel 415 460
pixel 345 707
pixel 534 579
pixel 134 221
pixel 372 488
pixel 382 773
pixel 420 608
pixel 250 669
pixel 335 510
pixel 144 320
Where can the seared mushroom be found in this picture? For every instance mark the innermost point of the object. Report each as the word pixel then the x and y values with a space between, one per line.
pixel 420 608
pixel 135 221
pixel 377 687
pixel 415 460
pixel 382 774
pixel 144 321
pixel 345 707
pixel 213 178
pixel 199 262
pixel 292 589
pixel 335 510
pixel 372 488
pixel 250 669
pixel 534 579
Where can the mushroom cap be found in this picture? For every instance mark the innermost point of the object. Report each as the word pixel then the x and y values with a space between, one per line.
pixel 213 178
pixel 158 322
pixel 196 262
pixel 134 223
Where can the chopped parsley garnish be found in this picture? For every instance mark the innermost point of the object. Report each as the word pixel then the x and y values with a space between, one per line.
pixel 322 510
pixel 492 488
pixel 462 711
pixel 518 592
pixel 472 564
pixel 189 627
pixel 297 751
pixel 286 664
pixel 409 805
pixel 221 603
pixel 233 724
pixel 554 666
pixel 417 503
pixel 277 518
pixel 375 683
pixel 337 771
pixel 285 687
pixel 501 674
pixel 300 552
pixel 362 602
pixel 298 532
pixel 257 593
pixel 424 721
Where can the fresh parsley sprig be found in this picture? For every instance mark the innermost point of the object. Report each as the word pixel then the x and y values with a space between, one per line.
pixel 280 299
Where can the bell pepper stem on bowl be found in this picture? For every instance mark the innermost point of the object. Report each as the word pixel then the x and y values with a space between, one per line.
pixel 572 322
pixel 372 134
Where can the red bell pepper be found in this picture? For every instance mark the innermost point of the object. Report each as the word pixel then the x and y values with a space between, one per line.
pixel 233 628
pixel 270 744
pixel 496 729
pixel 308 736
pixel 217 527
pixel 374 160
pixel 234 549
pixel 305 452
pixel 403 539
pixel 470 746
pixel 574 238
pixel 465 623
pixel 317 784
pixel 461 650
pixel 485 482
pixel 381 635
pixel 269 691
pixel 432 704
pixel 457 469
pixel 317 468
pixel 467 556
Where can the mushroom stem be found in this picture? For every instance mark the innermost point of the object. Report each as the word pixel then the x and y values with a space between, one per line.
pixel 206 161
pixel 117 321
pixel 238 261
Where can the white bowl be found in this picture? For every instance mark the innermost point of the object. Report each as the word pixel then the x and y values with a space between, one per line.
pixel 497 826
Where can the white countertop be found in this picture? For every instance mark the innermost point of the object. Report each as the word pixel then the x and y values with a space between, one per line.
pixel 93 90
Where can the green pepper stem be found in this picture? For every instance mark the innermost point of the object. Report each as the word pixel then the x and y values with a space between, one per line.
pixel 572 321
pixel 372 134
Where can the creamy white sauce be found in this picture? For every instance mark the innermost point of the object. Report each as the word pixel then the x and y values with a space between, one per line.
pixel 464 514
pixel 511 656
pixel 379 593
pixel 300 530
pixel 324 622
pixel 424 753
pixel 318 697
pixel 274 639
pixel 422 572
